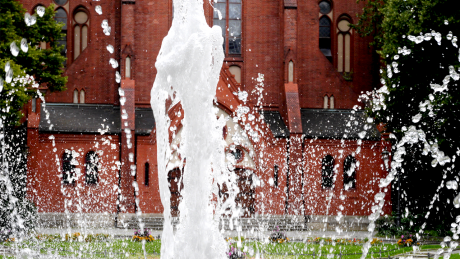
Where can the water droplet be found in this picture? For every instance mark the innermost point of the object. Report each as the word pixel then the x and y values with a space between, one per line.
pixel 362 134
pixel 117 77
pixel 449 35
pixel 14 49
pixel 446 22
pixel 107 31
pixel 33 19
pixel 27 19
pixel 122 100
pixel 396 57
pixel 427 36
pixel 9 76
pixel 416 118
pixel 7 66
pixel 456 201
pixel 113 62
pixel 105 24
pixel 243 96
pixel 24 45
pixel 98 9
pixel 452 185
pixel 110 48
pixel 40 11
pixel 438 38
pixel 1 84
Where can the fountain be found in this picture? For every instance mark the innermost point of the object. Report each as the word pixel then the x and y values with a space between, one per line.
pixel 188 70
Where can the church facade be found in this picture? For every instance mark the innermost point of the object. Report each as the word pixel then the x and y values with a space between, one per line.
pixel 92 148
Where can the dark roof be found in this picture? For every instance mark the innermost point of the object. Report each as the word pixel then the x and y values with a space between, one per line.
pixel 338 124
pixel 145 121
pixel 91 118
pixel 80 118
pixel 276 124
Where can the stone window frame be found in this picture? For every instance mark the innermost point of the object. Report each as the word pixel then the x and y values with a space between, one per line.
pixel 343 57
pixel 79 31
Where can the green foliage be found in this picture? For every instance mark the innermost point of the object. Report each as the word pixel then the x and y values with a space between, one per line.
pixel 410 226
pixel 44 65
pixel 408 94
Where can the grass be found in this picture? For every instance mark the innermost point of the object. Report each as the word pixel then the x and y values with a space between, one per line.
pixel 128 249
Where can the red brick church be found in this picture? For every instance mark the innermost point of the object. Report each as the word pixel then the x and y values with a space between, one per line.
pixel 92 148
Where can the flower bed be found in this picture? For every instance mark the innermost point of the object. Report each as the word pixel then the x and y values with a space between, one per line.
pixel 140 235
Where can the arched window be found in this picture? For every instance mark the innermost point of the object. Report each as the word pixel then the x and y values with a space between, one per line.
pixel 325 102
pixel 349 173
pixel 75 96
pixel 91 168
pixel 146 174
pixel 80 41
pixel 61 16
pixel 68 169
pixel 230 11
pixel 327 172
pixel 331 102
pixel 82 96
pixel 325 9
pixel 236 71
pixel 128 67
pixel 344 46
pixel 325 36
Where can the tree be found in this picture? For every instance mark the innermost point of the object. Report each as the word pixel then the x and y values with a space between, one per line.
pixel 45 65
pixel 417 44
pixel 23 68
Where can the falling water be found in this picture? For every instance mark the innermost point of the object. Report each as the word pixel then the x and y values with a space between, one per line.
pixel 188 68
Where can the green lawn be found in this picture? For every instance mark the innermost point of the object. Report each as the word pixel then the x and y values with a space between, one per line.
pixel 128 249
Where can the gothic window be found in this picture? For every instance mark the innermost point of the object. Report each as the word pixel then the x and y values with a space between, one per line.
pixel 146 172
pixel 82 96
pixel 75 96
pixel 331 102
pixel 91 168
pixel 344 45
pixel 327 172
pixel 325 102
pixel 349 173
pixel 230 12
pixel 68 169
pixel 61 16
pixel 80 41
pixel 325 10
